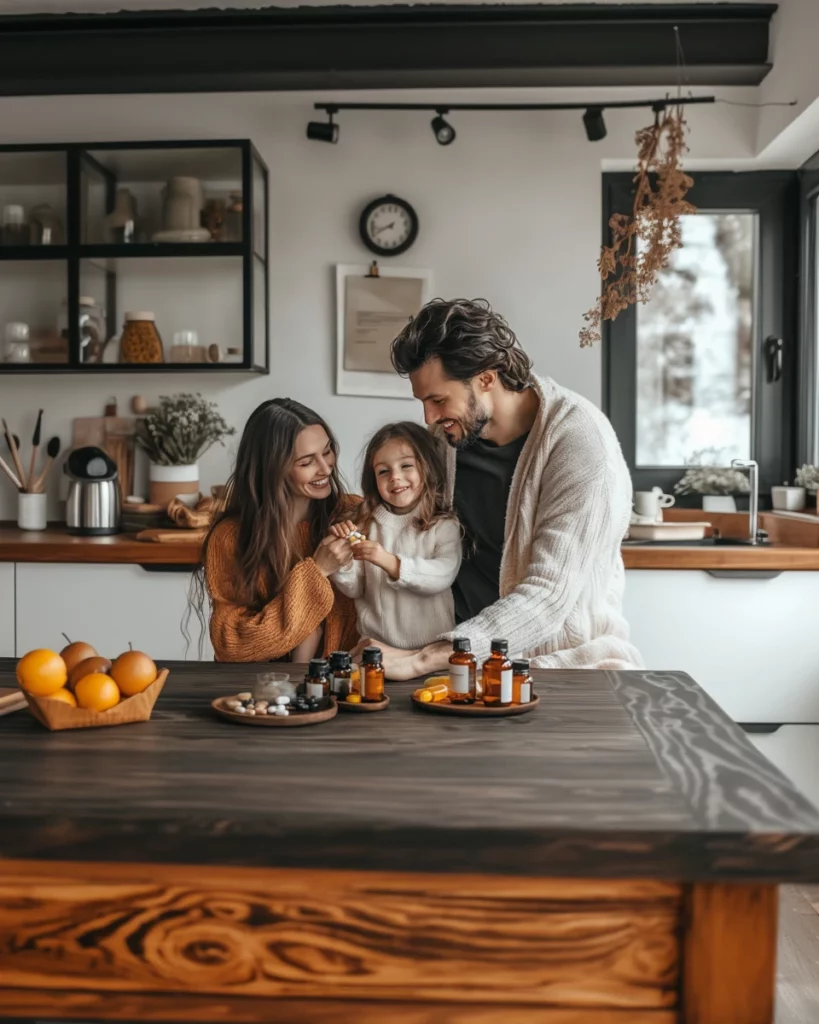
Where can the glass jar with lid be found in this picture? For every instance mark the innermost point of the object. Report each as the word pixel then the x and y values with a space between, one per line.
pixel 17 343
pixel 140 341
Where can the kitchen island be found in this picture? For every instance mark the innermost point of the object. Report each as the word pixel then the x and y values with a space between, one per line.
pixel 610 858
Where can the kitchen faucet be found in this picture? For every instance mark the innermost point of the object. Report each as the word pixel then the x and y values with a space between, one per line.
pixel 753 506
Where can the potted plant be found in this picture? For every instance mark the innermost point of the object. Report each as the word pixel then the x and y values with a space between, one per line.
pixel 719 485
pixel 175 436
pixel 808 477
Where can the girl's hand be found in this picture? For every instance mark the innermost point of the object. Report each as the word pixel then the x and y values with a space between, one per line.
pixel 342 530
pixel 372 551
pixel 333 554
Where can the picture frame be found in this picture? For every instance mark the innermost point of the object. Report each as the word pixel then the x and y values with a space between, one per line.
pixel 368 383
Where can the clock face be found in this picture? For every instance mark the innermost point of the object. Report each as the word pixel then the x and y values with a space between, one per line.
pixel 389 226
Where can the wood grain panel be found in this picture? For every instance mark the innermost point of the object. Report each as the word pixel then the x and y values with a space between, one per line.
pixel 709 758
pixel 775 557
pixel 339 935
pixel 56 545
pixel 729 954
pixel 85 1006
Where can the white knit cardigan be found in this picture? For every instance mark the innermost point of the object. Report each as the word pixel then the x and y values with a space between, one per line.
pixel 562 574
pixel 411 611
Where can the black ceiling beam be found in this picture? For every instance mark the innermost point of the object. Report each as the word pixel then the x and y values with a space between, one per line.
pixel 419 46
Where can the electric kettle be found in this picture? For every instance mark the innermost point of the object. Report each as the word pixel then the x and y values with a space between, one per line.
pixel 92 508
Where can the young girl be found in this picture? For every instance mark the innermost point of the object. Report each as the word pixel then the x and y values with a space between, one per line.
pixel 402 572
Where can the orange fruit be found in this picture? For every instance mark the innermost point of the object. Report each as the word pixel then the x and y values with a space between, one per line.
pixel 86 667
pixel 75 653
pixel 97 692
pixel 41 672
pixel 133 671
pixel 66 696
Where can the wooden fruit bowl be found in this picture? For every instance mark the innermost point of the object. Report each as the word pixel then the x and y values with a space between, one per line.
pixel 55 715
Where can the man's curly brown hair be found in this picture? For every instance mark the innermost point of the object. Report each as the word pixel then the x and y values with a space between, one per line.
pixel 468 338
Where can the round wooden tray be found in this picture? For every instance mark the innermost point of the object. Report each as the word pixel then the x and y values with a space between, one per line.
pixel 443 707
pixel 382 705
pixel 283 721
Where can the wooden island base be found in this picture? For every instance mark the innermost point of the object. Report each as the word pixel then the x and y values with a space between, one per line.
pixel 159 942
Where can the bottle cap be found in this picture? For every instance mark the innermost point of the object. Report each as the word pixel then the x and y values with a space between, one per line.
pixel 339 660
pixel 372 656
pixel 501 646
pixel 520 666
pixel 318 667
pixel 139 316
pixel 461 643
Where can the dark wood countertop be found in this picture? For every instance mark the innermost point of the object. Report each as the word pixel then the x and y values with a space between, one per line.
pixel 619 775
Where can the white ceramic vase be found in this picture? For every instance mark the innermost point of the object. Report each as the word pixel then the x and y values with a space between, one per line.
pixel 718 503
pixel 169 482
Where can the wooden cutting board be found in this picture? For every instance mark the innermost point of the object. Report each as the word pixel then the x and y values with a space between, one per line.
pixel 115 435
pixel 172 536
pixel 11 699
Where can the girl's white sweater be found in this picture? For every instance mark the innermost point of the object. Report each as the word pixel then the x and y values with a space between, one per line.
pixel 417 607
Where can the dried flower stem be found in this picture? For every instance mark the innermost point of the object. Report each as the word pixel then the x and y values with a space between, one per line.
pixel 660 187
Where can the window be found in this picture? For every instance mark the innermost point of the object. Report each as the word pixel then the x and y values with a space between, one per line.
pixel 692 375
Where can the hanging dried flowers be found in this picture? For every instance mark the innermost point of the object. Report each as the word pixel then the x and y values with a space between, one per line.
pixel 642 244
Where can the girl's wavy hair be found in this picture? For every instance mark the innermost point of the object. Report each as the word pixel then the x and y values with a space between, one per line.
pixel 259 501
pixel 468 338
pixel 431 461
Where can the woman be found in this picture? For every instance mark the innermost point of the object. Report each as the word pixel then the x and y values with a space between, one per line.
pixel 268 556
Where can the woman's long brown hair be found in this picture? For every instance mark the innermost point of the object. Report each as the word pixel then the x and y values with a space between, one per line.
pixel 260 502
pixel 431 461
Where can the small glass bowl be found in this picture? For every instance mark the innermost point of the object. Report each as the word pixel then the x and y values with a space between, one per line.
pixel 270 685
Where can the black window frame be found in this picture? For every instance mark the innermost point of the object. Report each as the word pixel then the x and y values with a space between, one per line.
pixel 775 196
pixel 807 448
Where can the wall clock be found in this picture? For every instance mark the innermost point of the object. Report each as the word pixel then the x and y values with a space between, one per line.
pixel 388 226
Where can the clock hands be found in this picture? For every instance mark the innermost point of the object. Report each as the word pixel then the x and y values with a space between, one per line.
pixel 386 227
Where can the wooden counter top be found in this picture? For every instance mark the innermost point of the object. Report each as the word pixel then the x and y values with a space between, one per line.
pixel 611 857
pixel 613 775
pixel 56 545
pixel 794 547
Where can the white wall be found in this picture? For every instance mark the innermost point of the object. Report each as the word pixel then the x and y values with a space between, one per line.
pixel 510 211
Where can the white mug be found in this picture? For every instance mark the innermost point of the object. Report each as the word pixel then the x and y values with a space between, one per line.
pixel 650 504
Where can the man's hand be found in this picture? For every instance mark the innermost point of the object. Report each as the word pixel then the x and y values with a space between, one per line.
pixel 372 551
pixel 400 666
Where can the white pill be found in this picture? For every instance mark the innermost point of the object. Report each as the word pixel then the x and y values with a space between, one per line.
pixel 281 701
pixel 240 710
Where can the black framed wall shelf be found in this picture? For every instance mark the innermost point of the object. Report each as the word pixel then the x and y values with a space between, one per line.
pixel 134 257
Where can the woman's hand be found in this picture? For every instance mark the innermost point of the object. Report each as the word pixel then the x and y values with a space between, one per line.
pixel 343 529
pixel 372 551
pixel 332 554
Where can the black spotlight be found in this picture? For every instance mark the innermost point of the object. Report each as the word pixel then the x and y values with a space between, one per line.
pixel 442 130
pixel 594 124
pixel 321 132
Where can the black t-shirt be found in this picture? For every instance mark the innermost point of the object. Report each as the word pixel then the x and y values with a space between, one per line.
pixel 483 477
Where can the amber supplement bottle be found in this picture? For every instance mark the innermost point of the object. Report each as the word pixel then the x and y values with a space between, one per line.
pixel 497 676
pixel 317 680
pixel 432 693
pixel 463 671
pixel 521 683
pixel 372 676
pixel 341 670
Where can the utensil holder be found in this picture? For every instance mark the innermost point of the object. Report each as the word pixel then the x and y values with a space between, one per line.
pixel 31 511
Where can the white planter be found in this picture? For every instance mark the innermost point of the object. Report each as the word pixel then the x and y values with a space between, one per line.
pixel 169 482
pixel 31 511
pixel 719 503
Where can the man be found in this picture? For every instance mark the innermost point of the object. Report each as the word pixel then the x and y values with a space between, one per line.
pixel 542 490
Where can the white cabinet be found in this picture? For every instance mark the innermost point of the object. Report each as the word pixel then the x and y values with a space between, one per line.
pixel 794 749
pixel 6 610
pixel 752 644
pixel 109 606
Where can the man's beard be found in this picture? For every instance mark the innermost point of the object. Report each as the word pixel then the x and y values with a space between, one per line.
pixel 475 419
